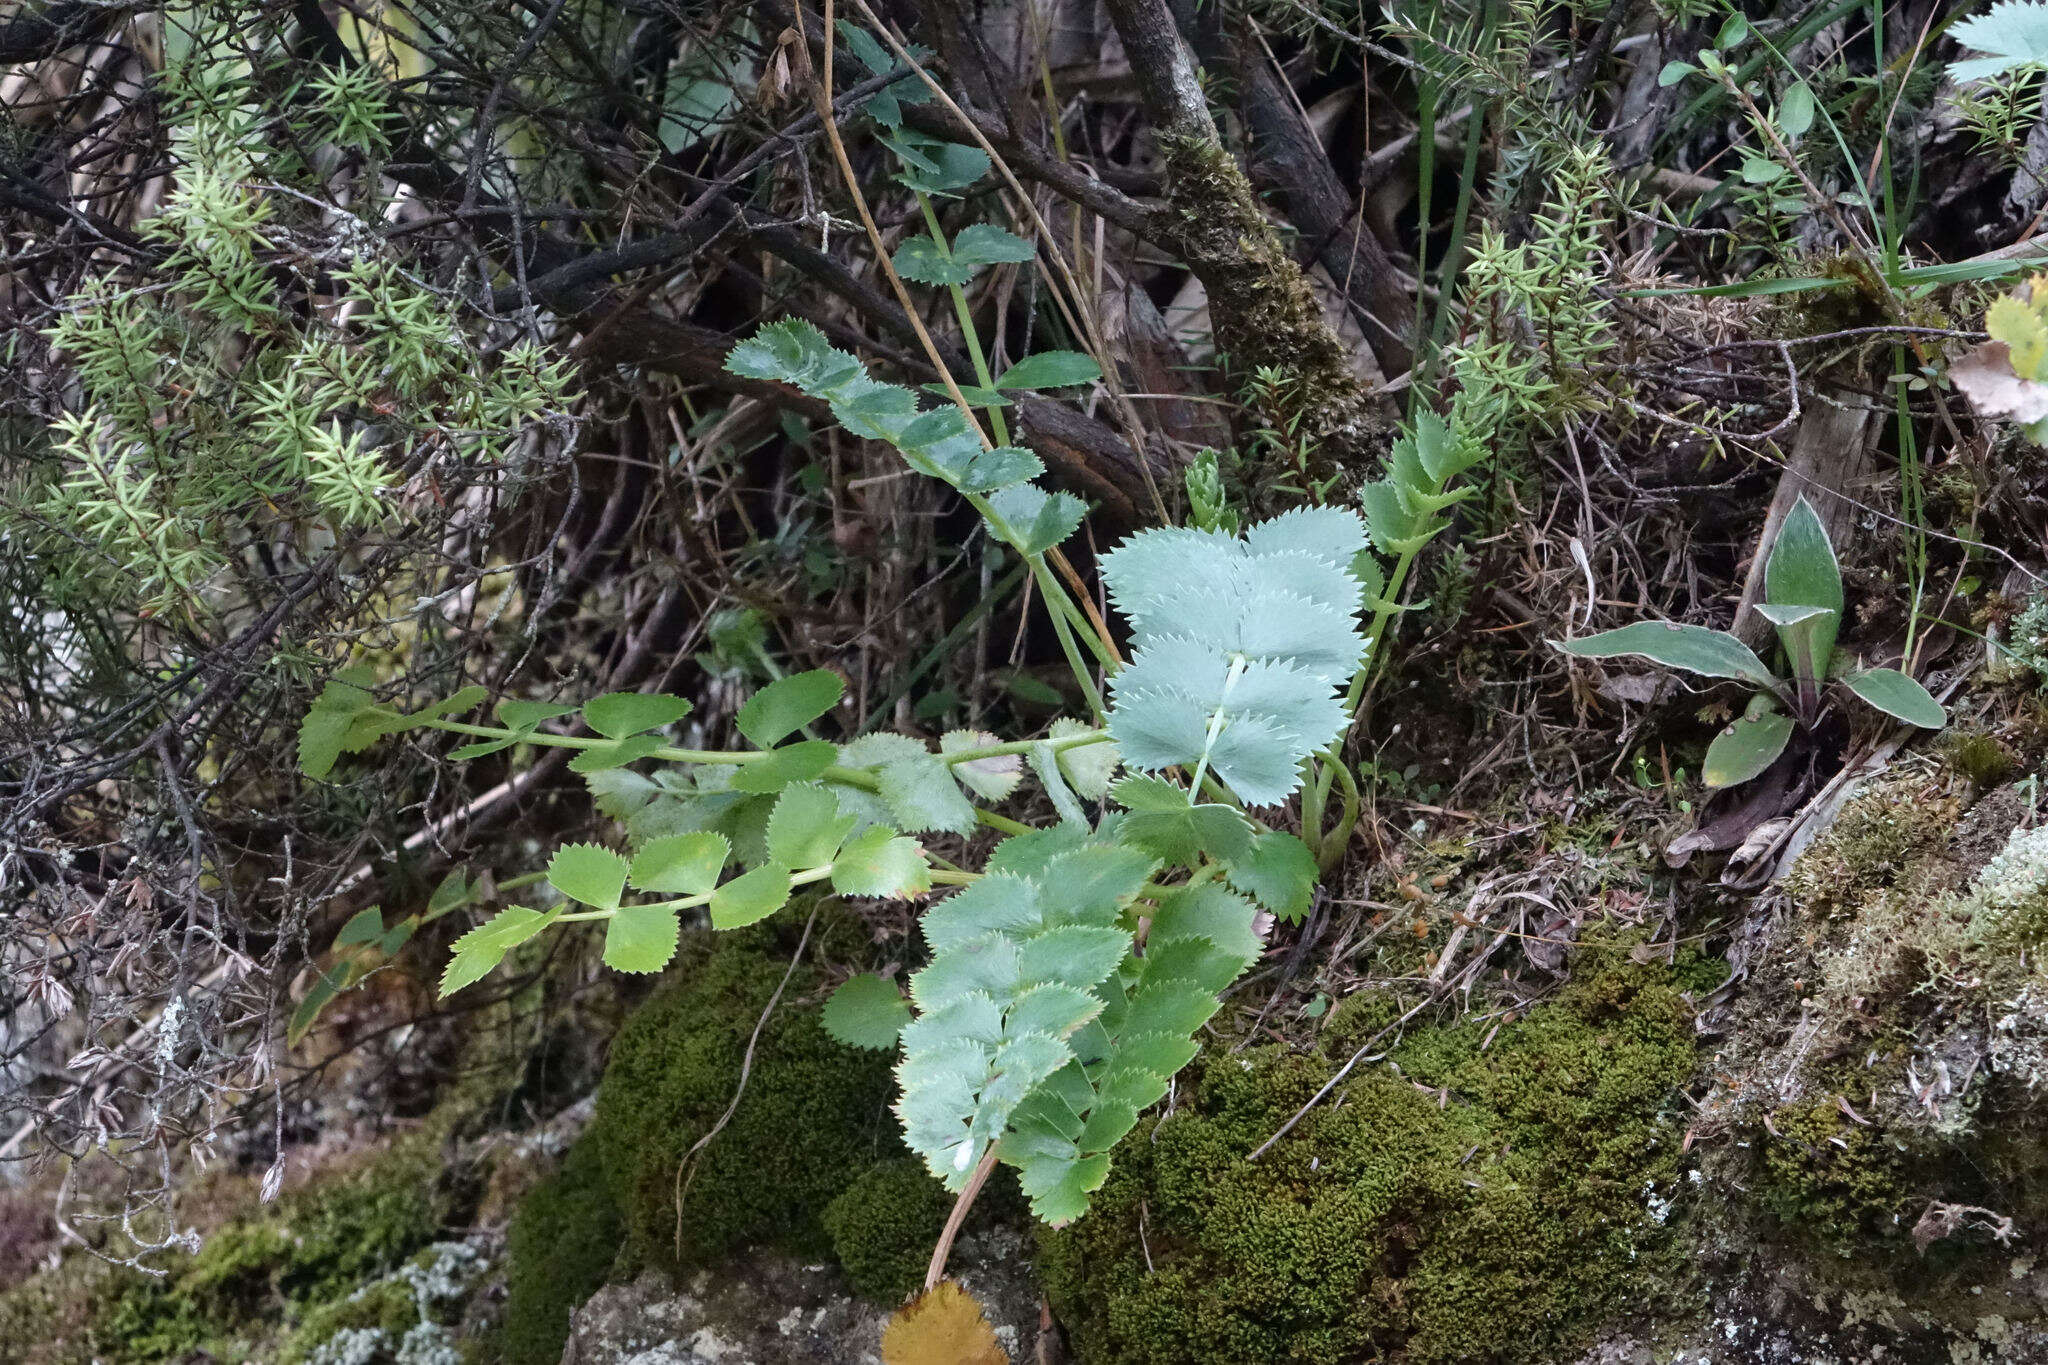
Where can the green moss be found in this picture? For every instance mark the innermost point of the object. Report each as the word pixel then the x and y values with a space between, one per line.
pixel 813 1115
pixel 1833 1181
pixel 1884 831
pixel 562 1244
pixel 1488 1201
pixel 883 1227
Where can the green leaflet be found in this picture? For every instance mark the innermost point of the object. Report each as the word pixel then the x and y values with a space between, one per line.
pixel 1201 940
pixel 1015 958
pixel 940 442
pixel 1240 645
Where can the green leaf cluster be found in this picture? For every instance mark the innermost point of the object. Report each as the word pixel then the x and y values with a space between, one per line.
pixel 1239 646
pixel 1803 602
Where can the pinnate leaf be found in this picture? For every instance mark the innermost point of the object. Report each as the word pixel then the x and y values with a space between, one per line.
pixel 618 714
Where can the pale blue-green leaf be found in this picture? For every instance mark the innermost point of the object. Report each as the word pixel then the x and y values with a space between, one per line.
pixel 923 796
pixel 1711 653
pixel 997 903
pixel 1089 768
pixel 866 1011
pixel 1897 695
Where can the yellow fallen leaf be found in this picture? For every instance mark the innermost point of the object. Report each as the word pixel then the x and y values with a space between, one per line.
pixel 943 1326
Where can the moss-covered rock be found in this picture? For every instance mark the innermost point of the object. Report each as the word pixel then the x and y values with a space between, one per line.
pixel 883 1227
pixel 1490 1197
pixel 562 1244
pixel 812 1116
pixel 252 1274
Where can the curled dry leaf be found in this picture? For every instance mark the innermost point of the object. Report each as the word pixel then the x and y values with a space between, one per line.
pixel 1986 377
pixel 942 1326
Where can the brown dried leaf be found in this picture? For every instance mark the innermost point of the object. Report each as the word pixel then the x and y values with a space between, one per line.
pixel 943 1326
pixel 1986 378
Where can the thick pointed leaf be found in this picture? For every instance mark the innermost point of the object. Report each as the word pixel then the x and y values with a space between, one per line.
pixel 1746 748
pixel 1710 653
pixel 1050 370
pixel 1895 694
pixel 1802 572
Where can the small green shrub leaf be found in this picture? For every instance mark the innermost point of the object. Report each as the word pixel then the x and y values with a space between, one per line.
pixel 680 864
pixel 1897 695
pixel 587 873
pixel 922 795
pixel 876 862
pixel 920 261
pixel 982 244
pixel 1746 748
pixel 788 704
pixel 1676 71
pixel 640 938
pixel 1710 653
pixel 867 1011
pixel 528 716
pixel 616 715
pixel 1050 370
pixel 365 926
pixel 750 897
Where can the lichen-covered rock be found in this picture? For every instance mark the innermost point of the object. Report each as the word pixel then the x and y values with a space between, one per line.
pixel 1491 1195
pixel 765 1308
